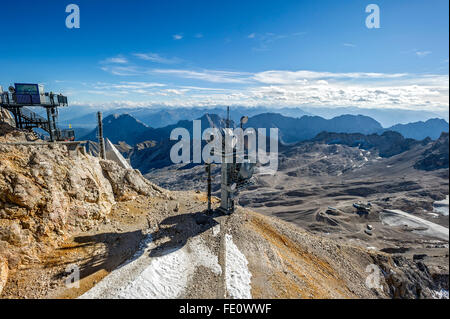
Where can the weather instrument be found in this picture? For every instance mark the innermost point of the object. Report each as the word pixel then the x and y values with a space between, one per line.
pixel 235 174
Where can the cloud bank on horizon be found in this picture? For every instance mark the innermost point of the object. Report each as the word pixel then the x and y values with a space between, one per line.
pixel 266 88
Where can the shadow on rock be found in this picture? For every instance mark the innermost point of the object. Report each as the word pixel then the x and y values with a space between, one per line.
pixel 91 254
pixel 109 251
pixel 178 229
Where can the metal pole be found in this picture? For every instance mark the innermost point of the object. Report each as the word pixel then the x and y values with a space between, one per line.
pixel 54 112
pixel 16 121
pixel 226 202
pixel 208 168
pixel 101 142
pixel 50 129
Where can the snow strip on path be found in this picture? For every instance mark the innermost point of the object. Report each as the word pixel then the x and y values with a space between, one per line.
pixel 162 277
pixel 396 217
pixel 237 275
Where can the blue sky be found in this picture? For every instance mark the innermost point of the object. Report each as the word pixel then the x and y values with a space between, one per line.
pixel 189 53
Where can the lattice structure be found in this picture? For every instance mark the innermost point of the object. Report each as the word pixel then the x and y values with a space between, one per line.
pixel 22 96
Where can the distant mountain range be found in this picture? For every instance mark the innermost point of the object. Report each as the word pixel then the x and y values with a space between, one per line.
pixel 150 146
pixel 433 155
pixel 132 131
pixel 387 117
pixel 299 129
pixel 304 128
pixel 419 130
pixel 387 144
pixel 161 117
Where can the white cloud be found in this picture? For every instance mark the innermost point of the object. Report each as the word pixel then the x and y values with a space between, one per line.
pixel 155 57
pixel 197 88
pixel 115 60
pixel 303 76
pixel 265 40
pixel 350 45
pixel 422 54
pixel 198 35
pixel 338 94
pixel 127 85
pixel 121 70
pixel 206 75
pixel 176 91
pixel 177 36
pixel 286 88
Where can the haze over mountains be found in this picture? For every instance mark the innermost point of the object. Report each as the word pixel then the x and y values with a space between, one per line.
pixel 160 117
pixel 85 117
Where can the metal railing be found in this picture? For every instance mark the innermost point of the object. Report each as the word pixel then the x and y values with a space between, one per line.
pixel 19 99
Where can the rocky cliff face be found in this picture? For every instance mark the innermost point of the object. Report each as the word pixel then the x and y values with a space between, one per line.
pixel 387 144
pixel 46 194
pixel 435 157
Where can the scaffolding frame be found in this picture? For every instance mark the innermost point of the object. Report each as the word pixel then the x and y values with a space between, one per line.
pixel 25 118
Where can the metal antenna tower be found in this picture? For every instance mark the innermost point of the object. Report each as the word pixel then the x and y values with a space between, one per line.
pixel 101 141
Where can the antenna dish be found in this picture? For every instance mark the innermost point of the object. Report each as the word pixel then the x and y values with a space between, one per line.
pixel 11 89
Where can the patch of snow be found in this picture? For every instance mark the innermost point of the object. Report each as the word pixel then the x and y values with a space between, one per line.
pixel 396 217
pixel 237 275
pixel 202 256
pixel 216 230
pixel 165 276
pixel 441 206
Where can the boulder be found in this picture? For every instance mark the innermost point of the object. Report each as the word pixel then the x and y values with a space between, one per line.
pixel 3 273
